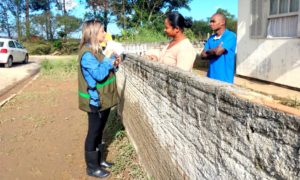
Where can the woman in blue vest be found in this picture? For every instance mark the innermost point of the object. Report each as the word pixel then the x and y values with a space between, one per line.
pixel 97 93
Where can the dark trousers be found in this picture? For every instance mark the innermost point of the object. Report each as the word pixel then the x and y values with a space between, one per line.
pixel 97 121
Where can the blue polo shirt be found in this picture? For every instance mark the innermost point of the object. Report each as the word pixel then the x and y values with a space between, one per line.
pixel 222 67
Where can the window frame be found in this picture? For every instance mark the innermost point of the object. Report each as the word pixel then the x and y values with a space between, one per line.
pixel 279 15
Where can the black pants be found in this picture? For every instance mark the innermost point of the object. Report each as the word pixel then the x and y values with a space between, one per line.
pixel 97 121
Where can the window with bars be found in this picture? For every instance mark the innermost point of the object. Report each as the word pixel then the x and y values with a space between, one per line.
pixel 283 18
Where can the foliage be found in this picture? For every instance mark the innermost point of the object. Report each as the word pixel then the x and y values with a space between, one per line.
pixel 62 34
pixel 38 48
pixel 141 34
pixel 190 34
pixel 5 25
pixel 70 47
pixel 201 27
pixel 68 24
pixel 231 21
pixel 141 20
pixel 15 7
pixel 136 13
pixel 57 44
pixel 43 5
pixel 291 102
pixel 125 159
pixel 40 22
pixel 46 19
pixel 132 14
pixel 41 47
pixel 101 10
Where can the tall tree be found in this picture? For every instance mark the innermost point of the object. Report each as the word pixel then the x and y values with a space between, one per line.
pixel 4 20
pixel 27 21
pixel 146 12
pixel 102 10
pixel 45 5
pixel 16 7
pixel 61 4
pixel 39 22
pixel 68 24
pixel 121 9
pixel 133 13
pixel 201 29
pixel 64 7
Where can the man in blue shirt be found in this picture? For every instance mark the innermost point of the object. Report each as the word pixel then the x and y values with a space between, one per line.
pixel 220 50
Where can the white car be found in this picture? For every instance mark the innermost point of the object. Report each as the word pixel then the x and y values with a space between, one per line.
pixel 11 51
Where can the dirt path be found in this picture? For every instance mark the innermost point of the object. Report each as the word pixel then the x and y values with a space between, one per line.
pixel 42 133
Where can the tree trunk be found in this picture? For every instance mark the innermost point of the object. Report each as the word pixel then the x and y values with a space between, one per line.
pixel 47 25
pixel 19 32
pixel 64 7
pixel 7 25
pixel 124 13
pixel 105 16
pixel 5 21
pixel 18 24
pixel 27 21
pixel 50 26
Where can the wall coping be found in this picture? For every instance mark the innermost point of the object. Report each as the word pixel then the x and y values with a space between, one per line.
pixel 218 86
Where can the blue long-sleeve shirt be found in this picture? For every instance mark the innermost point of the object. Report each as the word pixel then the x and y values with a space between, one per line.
pixel 94 71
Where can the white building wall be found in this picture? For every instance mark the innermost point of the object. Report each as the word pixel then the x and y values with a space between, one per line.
pixel 275 60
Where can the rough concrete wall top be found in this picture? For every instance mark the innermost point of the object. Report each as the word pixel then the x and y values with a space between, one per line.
pixel 189 127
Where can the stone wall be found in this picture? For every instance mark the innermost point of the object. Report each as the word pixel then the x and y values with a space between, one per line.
pixel 188 127
pixel 142 48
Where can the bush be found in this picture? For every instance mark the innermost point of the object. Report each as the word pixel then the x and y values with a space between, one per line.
pixel 70 47
pixel 57 44
pixel 49 47
pixel 142 34
pixel 190 34
pixel 40 49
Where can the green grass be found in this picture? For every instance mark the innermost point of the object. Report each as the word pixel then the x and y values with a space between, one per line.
pixel 291 102
pixel 59 68
pixel 114 135
pixel 126 157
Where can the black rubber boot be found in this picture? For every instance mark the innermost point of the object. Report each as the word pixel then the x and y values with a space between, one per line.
pixel 103 163
pixel 92 165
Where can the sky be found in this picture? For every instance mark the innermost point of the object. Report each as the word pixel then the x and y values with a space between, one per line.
pixel 200 9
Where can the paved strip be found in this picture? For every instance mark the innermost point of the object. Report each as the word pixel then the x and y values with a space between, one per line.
pixel 14 75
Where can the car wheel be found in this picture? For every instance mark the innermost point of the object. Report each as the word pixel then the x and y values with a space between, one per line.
pixel 26 59
pixel 9 62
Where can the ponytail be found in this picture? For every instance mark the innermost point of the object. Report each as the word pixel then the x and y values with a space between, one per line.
pixel 177 20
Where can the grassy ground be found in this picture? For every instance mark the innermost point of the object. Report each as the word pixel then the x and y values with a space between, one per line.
pixel 126 162
pixel 42 131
